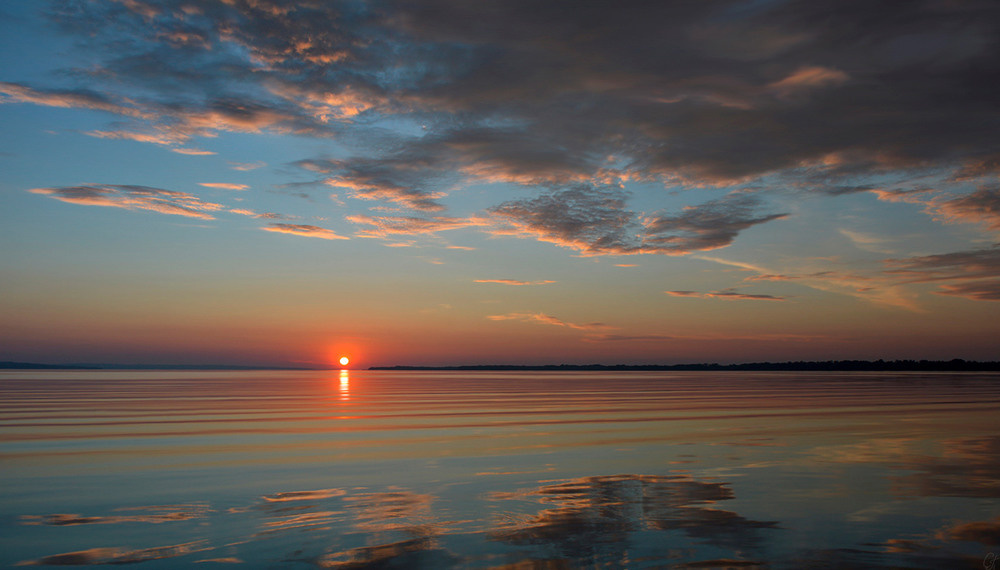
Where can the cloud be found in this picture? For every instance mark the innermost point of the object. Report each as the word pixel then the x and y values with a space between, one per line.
pixel 264 216
pixel 591 220
pixel 867 241
pixel 980 207
pixel 807 78
pixel 401 180
pixel 245 166
pixel 303 230
pixel 387 226
pixel 427 99
pixel 972 274
pixel 977 290
pixel 513 282
pixel 595 221
pixel 708 226
pixel 959 265
pixel 729 294
pixel 628 338
pixel 224 185
pixel 83 99
pixel 133 198
pixel 543 319
pixel 193 151
pixel 677 90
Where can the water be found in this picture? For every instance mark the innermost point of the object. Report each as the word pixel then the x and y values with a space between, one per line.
pixel 521 470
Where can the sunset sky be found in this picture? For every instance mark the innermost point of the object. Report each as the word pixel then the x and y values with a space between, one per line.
pixel 435 182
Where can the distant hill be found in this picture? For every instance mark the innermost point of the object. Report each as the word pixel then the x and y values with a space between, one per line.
pixel 955 365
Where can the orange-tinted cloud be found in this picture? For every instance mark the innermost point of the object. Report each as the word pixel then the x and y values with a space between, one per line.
pixel 133 198
pixel 245 166
pixel 980 207
pixel 386 226
pixel 193 151
pixel 16 93
pixel 807 78
pixel 224 185
pixel 305 230
pixel 543 319
pixel 513 282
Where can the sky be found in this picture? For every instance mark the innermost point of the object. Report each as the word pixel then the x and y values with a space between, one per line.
pixel 442 182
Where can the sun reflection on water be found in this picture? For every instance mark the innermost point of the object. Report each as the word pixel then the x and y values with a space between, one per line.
pixel 345 385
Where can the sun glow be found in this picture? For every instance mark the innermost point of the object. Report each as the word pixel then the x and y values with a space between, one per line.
pixel 344 361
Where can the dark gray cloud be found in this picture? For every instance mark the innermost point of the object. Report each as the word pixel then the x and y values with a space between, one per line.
pixel 714 90
pixel 707 226
pixel 973 274
pixel 562 96
pixel 595 221
pixel 959 265
pixel 402 180
pixel 730 294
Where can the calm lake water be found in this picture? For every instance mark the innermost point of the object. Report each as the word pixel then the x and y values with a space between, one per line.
pixel 525 470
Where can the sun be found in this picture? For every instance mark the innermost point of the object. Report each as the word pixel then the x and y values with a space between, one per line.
pixel 344 361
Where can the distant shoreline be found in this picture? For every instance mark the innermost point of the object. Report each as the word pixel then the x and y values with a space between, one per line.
pixel 955 365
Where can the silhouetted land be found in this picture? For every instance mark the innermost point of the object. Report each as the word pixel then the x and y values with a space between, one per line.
pixel 956 365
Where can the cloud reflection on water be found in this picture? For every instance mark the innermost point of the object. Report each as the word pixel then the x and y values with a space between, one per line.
pixel 95 556
pixel 588 515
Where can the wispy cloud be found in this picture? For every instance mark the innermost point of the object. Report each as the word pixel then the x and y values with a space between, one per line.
pixel 980 207
pixel 513 282
pixel 388 226
pixel 628 338
pixel 224 185
pixel 245 166
pixel 543 319
pixel 132 197
pixel 193 151
pixel 730 294
pixel 971 274
pixel 85 99
pixel 305 230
